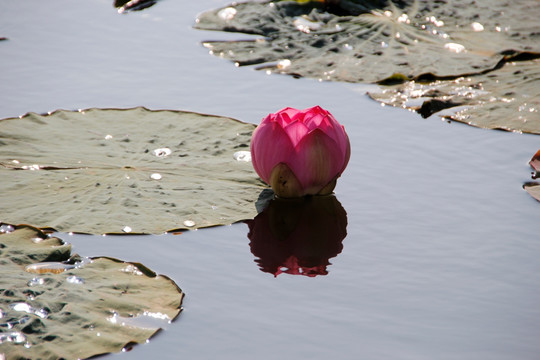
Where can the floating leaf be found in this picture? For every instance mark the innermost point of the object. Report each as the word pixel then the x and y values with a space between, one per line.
pixel 455 52
pixel 533 189
pixel 55 306
pixel 133 5
pixel 125 171
pixel 506 99
pixel 535 163
pixel 357 42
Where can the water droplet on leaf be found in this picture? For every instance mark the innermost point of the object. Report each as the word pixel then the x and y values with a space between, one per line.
pixel 242 156
pixel 36 281
pixel 162 152
pixel 189 223
pixel 227 14
pixel 74 280
pixel 5 228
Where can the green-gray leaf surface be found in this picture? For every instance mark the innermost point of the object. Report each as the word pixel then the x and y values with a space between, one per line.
pixel 54 306
pixel 506 99
pixel 132 171
pixel 480 54
pixel 420 37
pixel 533 189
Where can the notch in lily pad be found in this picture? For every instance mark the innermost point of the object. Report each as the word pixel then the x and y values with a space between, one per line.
pixel 125 171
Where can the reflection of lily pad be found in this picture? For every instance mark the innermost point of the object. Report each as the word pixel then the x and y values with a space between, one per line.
pixel 55 307
pixel 506 99
pixel 135 170
pixel 419 39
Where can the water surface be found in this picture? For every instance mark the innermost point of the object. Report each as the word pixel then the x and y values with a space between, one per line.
pixel 440 260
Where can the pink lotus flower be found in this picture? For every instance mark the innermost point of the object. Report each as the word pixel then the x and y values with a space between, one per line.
pixel 300 152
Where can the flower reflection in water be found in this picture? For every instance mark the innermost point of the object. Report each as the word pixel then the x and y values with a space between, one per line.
pixel 298 236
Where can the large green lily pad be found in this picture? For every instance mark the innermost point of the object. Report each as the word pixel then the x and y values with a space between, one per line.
pixel 131 171
pixel 369 41
pixel 506 99
pixel 57 306
pixel 480 54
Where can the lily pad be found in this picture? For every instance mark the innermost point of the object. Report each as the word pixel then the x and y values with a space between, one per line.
pixel 533 189
pixel 125 6
pixel 376 39
pixel 125 171
pixel 535 164
pixel 58 306
pixel 480 54
pixel 506 99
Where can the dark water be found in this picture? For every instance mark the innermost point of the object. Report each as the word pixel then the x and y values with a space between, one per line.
pixel 441 255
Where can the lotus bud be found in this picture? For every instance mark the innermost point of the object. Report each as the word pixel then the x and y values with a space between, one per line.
pixel 300 152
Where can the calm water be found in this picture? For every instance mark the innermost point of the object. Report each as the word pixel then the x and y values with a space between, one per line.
pixel 441 256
